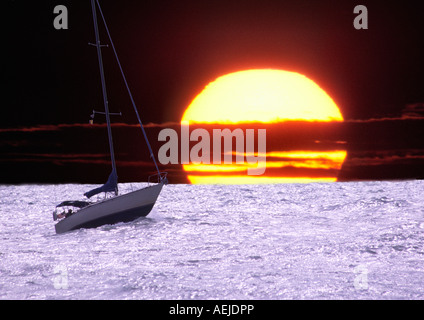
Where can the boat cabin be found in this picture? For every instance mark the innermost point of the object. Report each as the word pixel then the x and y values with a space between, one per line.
pixel 68 208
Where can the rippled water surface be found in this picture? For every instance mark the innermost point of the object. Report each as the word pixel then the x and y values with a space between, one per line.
pixel 357 240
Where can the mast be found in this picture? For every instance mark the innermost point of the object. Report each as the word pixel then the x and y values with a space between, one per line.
pixel 105 101
pixel 129 93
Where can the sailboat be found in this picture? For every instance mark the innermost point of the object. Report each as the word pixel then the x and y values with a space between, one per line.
pixel 119 207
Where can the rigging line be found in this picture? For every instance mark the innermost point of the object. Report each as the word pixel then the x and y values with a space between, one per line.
pixel 129 91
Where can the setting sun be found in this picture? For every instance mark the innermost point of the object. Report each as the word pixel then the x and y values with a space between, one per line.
pixel 268 98
pixel 263 95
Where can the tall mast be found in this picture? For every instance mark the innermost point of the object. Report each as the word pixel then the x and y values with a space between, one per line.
pixel 129 93
pixel 105 101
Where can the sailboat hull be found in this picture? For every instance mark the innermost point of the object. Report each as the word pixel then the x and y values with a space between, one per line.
pixel 123 208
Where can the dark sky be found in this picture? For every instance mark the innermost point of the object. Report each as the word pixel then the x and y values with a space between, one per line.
pixel 171 49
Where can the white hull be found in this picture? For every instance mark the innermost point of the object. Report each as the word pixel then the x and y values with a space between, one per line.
pixel 123 208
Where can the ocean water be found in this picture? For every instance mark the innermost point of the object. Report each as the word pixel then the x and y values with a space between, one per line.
pixel 356 240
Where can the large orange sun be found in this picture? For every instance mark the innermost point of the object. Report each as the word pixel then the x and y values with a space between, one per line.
pixel 270 97
pixel 262 95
